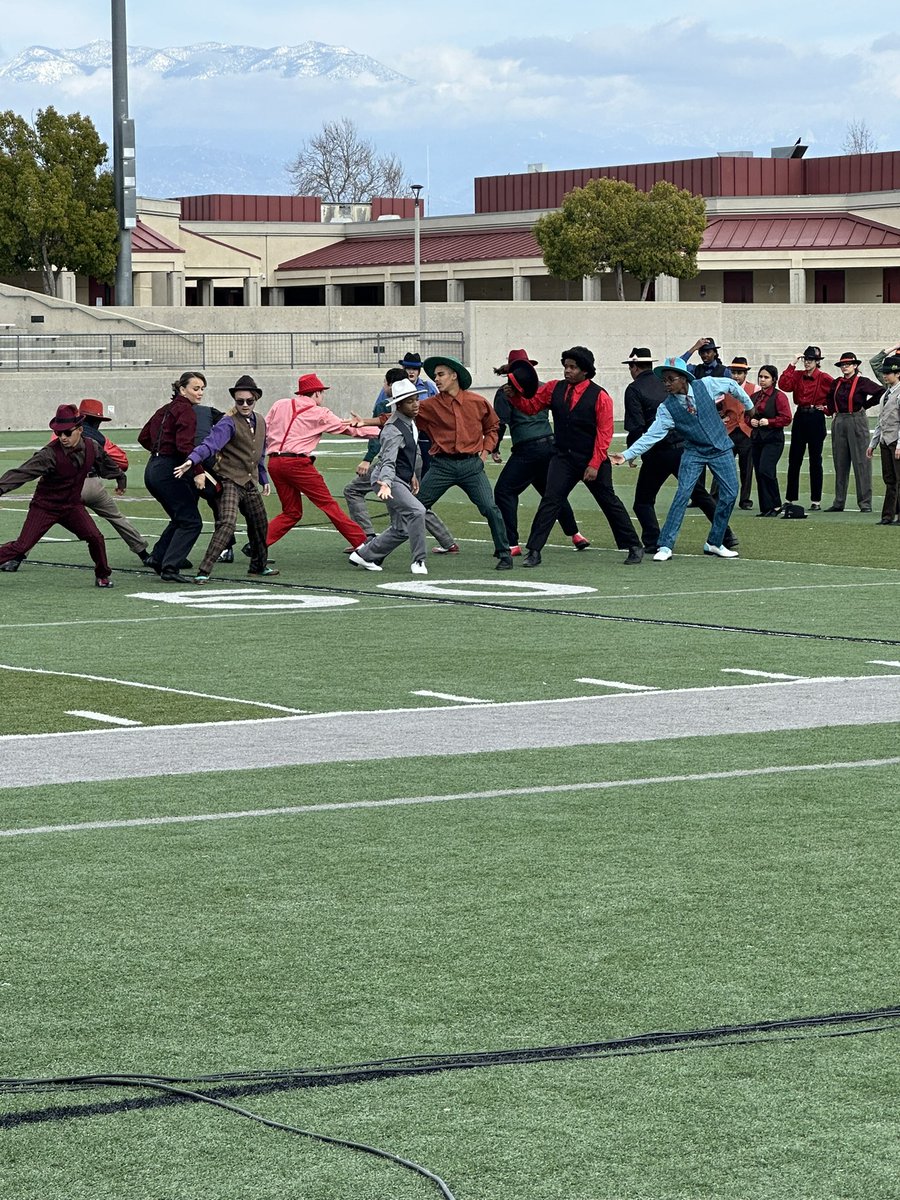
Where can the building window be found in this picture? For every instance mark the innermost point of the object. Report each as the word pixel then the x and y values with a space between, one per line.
pixel 829 287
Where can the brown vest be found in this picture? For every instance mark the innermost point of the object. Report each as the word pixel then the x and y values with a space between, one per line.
pixel 238 460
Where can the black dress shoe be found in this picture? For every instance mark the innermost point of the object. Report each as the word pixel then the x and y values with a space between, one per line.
pixel 144 556
pixel 835 508
pixel 153 564
pixel 504 562
pixel 745 504
pixel 883 521
pixel 176 577
pixel 12 565
pixel 865 508
pixel 635 555
pixel 533 559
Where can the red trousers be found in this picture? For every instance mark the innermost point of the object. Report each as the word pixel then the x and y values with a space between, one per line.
pixel 295 478
pixel 73 517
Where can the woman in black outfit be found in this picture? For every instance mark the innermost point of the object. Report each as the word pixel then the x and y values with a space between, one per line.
pixel 770 415
pixel 169 436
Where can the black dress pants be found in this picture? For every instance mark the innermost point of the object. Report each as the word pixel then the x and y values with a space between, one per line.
pixel 808 432
pixel 179 499
pixel 527 467
pixel 768 448
pixel 563 472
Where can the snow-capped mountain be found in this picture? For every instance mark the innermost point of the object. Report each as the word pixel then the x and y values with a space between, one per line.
pixel 206 60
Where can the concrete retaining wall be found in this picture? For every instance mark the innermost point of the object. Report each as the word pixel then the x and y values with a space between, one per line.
pixel 764 333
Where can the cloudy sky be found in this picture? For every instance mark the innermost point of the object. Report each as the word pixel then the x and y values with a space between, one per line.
pixel 495 86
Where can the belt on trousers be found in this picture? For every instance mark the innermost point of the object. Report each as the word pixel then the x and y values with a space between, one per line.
pixel 453 457
pixel 291 454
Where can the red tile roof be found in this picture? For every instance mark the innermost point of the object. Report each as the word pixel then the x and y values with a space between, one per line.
pixel 801 231
pixel 145 240
pixel 465 246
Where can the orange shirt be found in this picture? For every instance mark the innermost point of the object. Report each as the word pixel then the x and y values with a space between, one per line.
pixel 460 424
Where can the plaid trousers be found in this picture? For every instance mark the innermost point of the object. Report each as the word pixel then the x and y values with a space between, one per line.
pixel 234 498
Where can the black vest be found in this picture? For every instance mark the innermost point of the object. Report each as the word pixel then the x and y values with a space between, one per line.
pixel 406 455
pixel 575 429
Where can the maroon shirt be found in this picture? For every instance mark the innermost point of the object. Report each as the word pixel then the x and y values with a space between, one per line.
pixel 171 431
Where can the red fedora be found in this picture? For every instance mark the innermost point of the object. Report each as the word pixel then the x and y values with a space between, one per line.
pixel 92 408
pixel 67 418
pixel 307 384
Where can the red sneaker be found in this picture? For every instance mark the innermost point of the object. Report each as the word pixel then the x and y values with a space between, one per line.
pixel 454 549
pixel 103 583
pixel 515 551
pixel 579 542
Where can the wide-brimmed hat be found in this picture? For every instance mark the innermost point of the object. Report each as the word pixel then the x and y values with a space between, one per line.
pixel 813 352
pixel 246 383
pixel 638 355
pixel 307 384
pixel 848 357
pixel 892 364
pixel 673 364
pixel 411 359
pixel 67 418
pixel 709 344
pixel 92 408
pixel 444 360
pixel 583 357
pixel 524 378
pixel 739 363
pixel 515 356
pixel 404 389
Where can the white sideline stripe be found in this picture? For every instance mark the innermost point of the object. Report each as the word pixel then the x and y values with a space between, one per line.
pixel 629 687
pixel 303 718
pixel 761 674
pixel 881 662
pixel 448 696
pixel 154 687
pixel 401 801
pixel 96 716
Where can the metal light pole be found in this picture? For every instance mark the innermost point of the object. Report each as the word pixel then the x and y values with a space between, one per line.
pixel 123 155
pixel 416 189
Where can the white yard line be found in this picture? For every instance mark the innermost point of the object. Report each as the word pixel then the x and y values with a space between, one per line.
pixel 197 617
pixel 449 696
pixel 402 801
pixel 629 687
pixel 154 687
pixel 97 716
pixel 881 662
pixel 761 674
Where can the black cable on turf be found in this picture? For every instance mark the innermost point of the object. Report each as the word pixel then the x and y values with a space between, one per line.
pixel 186 1094
pixel 496 606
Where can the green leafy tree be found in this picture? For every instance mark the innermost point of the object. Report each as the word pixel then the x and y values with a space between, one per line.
pixel 608 225
pixel 57 207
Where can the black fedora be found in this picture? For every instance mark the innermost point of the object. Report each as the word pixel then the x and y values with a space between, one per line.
pixel 246 383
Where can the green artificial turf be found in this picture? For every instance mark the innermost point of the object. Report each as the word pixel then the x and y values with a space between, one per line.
pixel 487 922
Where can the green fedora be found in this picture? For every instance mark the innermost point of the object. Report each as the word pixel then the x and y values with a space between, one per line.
pixel 444 360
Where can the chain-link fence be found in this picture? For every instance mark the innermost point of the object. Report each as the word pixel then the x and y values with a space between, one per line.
pixel 116 351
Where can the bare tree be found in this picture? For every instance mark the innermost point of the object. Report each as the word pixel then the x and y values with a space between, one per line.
pixel 340 166
pixel 858 138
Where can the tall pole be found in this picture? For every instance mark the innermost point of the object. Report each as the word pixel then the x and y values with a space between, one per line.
pixel 123 155
pixel 416 189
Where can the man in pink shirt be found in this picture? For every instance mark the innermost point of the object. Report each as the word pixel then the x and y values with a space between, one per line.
pixel 294 427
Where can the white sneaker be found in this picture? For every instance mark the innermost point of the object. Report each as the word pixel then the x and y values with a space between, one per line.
pixel 719 551
pixel 359 561
pixel 663 554
pixel 419 568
